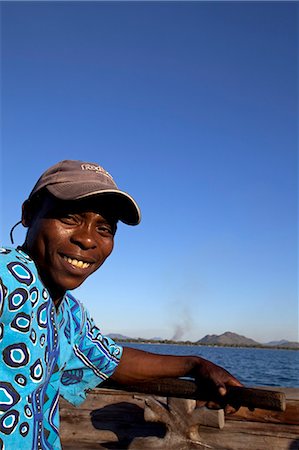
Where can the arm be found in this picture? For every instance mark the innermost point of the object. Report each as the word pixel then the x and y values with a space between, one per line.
pixel 137 366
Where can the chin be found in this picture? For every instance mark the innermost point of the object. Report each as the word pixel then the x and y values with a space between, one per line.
pixel 58 289
pixel 70 286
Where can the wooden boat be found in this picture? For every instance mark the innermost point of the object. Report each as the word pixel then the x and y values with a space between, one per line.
pixel 116 419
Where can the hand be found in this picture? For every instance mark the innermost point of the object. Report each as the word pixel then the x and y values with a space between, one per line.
pixel 213 382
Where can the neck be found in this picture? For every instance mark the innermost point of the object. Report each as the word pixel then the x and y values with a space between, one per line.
pixel 57 303
pixel 55 294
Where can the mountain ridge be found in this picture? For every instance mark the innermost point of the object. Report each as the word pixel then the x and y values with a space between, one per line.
pixel 227 338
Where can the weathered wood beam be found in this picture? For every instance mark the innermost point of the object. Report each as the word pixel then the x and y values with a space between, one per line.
pixel 183 388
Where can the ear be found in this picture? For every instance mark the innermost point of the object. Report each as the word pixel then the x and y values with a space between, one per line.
pixel 26 214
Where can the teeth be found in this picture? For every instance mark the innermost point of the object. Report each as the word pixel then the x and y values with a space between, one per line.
pixel 76 263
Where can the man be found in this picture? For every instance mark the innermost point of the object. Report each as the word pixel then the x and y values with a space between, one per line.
pixel 49 345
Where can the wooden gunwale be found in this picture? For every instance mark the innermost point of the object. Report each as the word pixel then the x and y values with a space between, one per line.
pixel 114 419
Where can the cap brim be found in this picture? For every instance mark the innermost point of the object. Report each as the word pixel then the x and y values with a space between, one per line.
pixel 124 206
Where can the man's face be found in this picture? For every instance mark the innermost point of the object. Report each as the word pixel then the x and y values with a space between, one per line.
pixel 68 242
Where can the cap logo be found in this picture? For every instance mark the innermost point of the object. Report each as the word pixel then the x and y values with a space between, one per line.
pixel 97 169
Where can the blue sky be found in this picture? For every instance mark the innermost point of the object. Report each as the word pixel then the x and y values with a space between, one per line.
pixel 193 108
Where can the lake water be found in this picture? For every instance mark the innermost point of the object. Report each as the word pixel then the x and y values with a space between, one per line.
pixel 252 366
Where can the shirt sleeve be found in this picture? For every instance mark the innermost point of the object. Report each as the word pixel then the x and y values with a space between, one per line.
pixel 94 358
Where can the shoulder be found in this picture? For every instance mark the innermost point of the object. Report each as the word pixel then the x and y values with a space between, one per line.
pixel 15 265
pixel 19 282
pixel 14 255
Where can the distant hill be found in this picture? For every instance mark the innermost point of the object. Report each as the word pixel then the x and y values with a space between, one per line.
pixel 117 336
pixel 227 338
pixel 283 343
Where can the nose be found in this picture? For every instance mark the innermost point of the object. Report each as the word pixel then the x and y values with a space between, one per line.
pixel 84 237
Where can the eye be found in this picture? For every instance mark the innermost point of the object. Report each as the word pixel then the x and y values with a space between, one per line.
pixel 105 230
pixel 69 219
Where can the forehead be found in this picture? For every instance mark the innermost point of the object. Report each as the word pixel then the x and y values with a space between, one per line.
pixel 51 207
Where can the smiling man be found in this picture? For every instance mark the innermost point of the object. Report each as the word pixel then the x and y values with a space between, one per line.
pixel 49 345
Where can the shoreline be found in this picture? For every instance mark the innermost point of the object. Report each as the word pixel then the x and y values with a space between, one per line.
pixel 195 344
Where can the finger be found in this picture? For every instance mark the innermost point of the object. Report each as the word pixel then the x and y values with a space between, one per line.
pixel 200 403
pixel 213 405
pixel 230 410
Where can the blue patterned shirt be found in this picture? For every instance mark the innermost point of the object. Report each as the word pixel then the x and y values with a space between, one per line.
pixel 43 354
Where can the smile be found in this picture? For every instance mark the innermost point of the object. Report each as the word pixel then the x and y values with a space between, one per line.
pixel 77 263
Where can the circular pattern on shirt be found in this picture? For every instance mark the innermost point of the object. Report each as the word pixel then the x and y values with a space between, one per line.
pixel 21 379
pixel 21 272
pixel 16 355
pixel 1 331
pixel 24 429
pixel 36 371
pixel 33 336
pixel 116 351
pixel 3 291
pixel 17 299
pixel 42 340
pixel 8 396
pixel 42 316
pixel 21 323
pixel 28 412
pixel 45 294
pixel 9 421
pixel 34 295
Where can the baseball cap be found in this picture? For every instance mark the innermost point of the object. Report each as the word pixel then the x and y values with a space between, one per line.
pixel 76 180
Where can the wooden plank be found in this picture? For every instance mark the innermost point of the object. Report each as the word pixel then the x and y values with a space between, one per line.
pixel 112 422
pixel 289 416
pixel 76 426
pixel 251 436
pixel 175 387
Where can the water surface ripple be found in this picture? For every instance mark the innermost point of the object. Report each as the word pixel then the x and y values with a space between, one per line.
pixel 252 366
